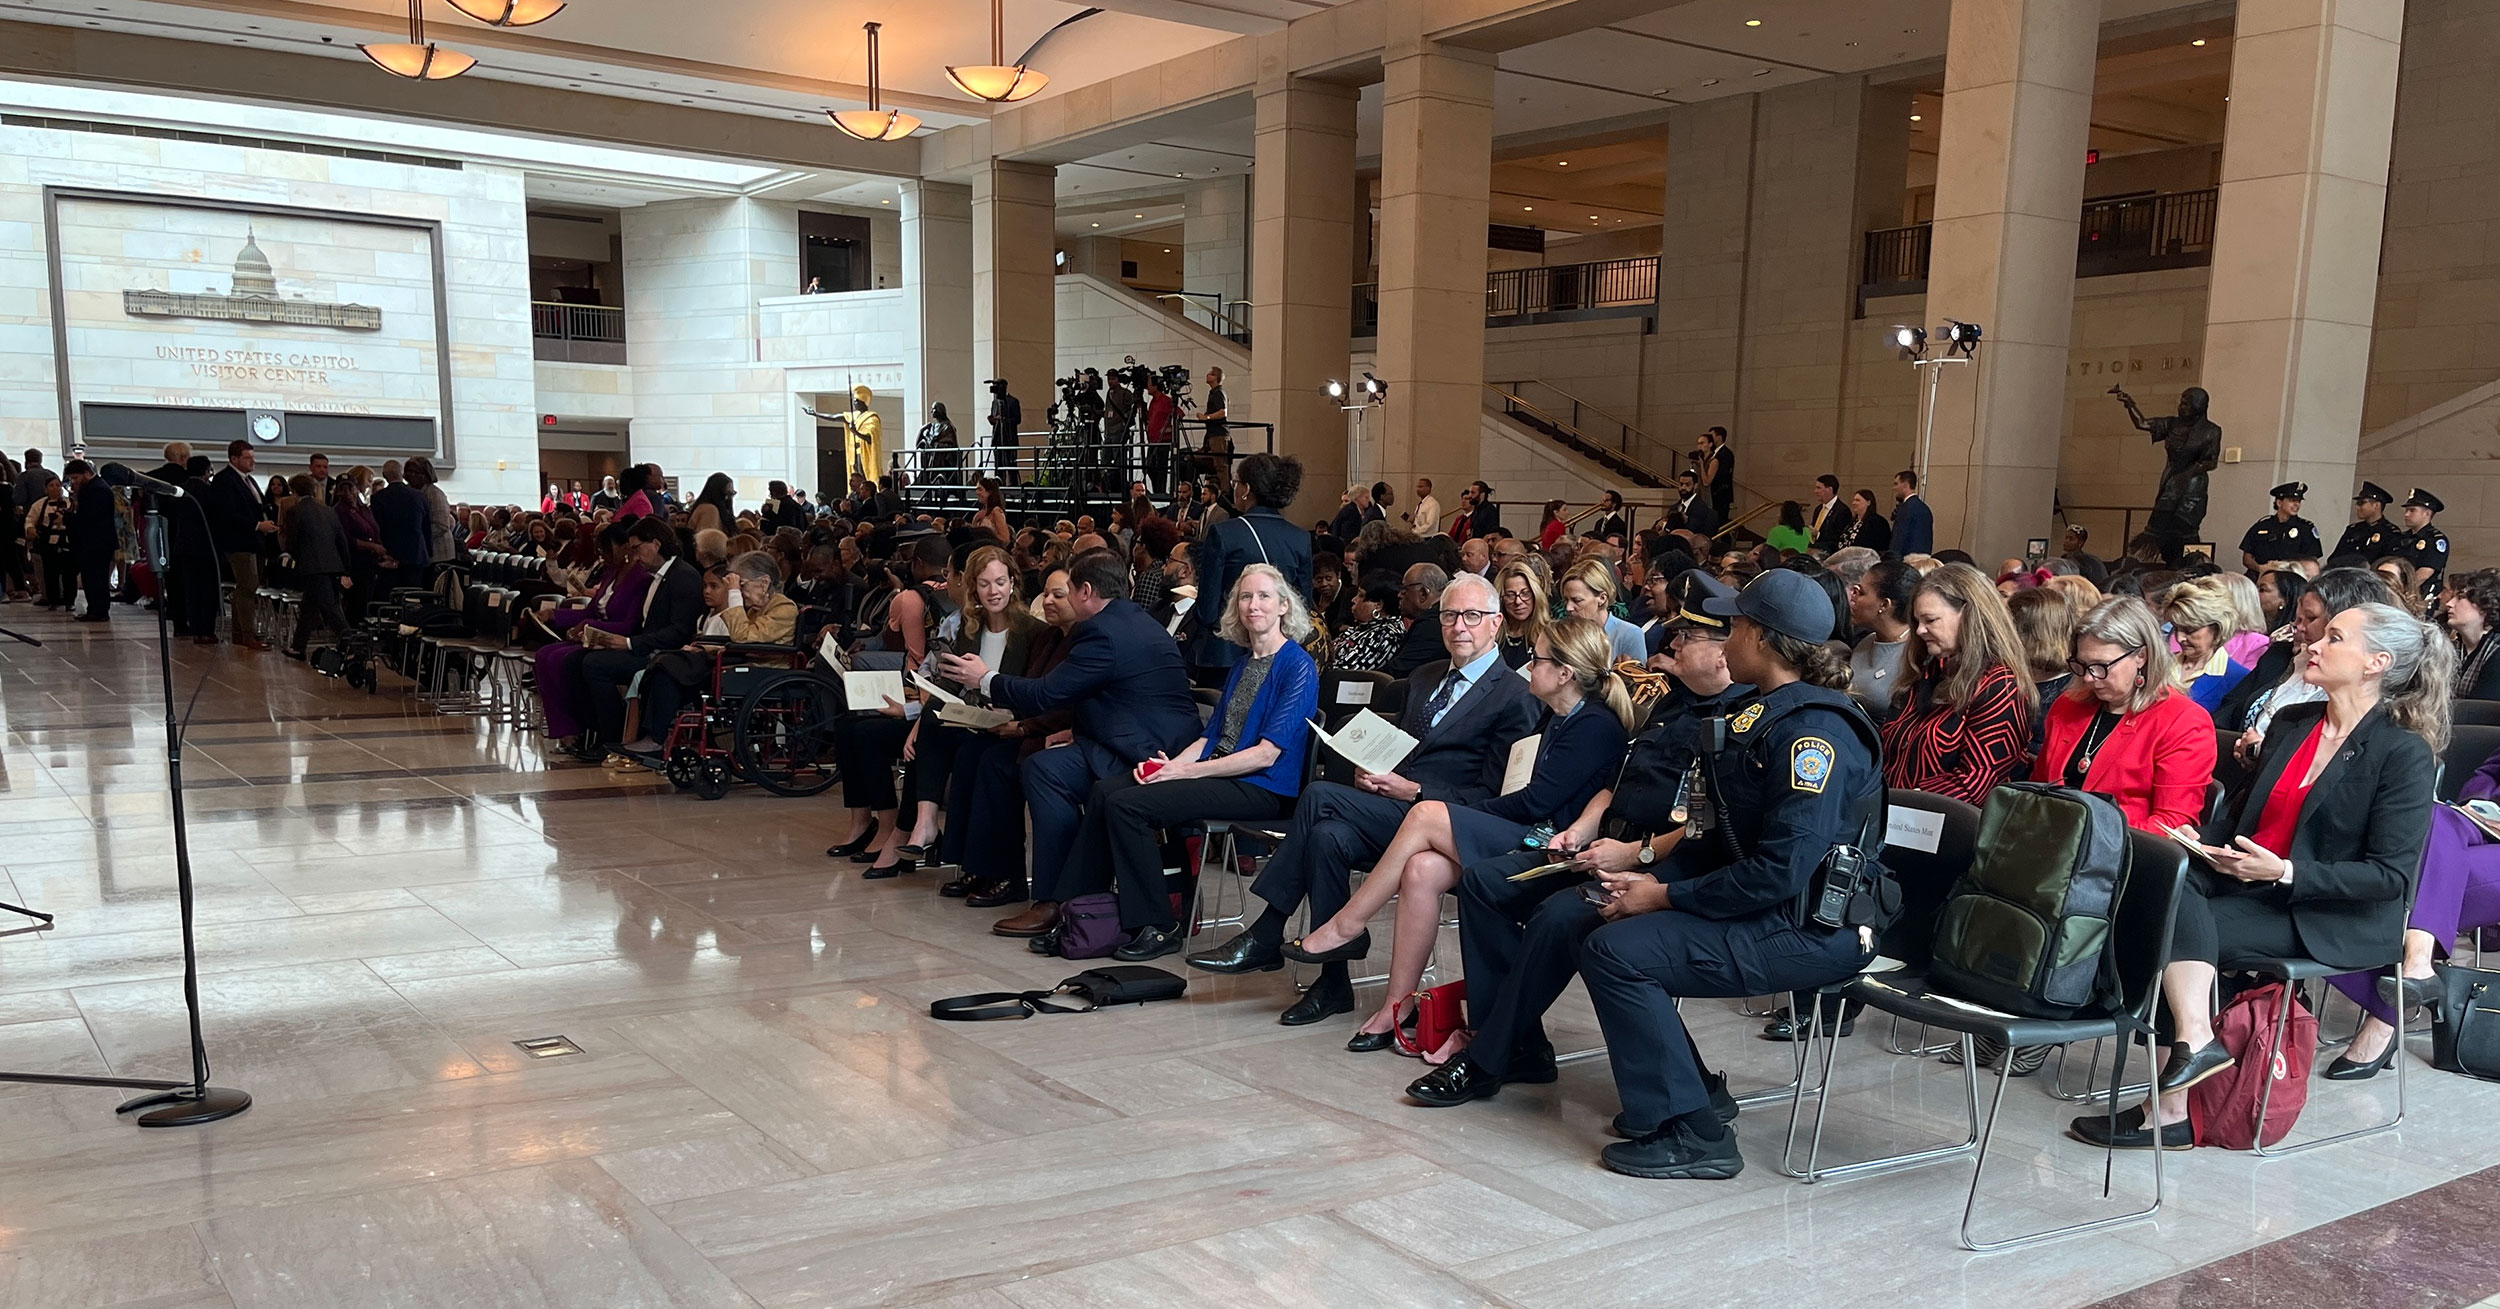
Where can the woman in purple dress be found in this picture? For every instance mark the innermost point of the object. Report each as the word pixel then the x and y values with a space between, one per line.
pixel 615 606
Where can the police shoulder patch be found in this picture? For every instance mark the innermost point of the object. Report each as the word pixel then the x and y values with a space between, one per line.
pixel 1745 721
pixel 2441 545
pixel 1810 760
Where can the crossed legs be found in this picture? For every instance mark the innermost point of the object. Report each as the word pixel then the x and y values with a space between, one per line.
pixel 1420 865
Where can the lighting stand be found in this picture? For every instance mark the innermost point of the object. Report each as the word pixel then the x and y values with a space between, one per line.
pixel 1927 407
pixel 169 1104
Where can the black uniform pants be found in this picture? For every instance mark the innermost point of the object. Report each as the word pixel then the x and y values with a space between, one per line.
pixel 1638 967
pixel 1521 945
pixel 1334 829
pixel 1117 841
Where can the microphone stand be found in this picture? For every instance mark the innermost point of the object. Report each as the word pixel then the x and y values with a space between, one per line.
pixel 168 1103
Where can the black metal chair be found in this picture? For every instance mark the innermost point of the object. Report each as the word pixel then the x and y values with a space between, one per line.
pixel 2468 746
pixel 1930 845
pixel 2141 930
pixel 2476 713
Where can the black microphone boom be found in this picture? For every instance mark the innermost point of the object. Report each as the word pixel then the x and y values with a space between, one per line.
pixel 124 475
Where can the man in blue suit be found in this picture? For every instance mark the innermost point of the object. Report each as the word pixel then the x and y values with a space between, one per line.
pixel 1913 525
pixel 1464 717
pixel 1263 486
pixel 400 512
pixel 1124 678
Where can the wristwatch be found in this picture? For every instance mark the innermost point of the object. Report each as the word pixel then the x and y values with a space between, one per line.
pixel 1648 854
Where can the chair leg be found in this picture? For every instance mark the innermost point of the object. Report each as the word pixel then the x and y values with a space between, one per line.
pixel 2093 1092
pixel 2265 1099
pixel 1892 1042
pixel 1970 1206
pixel 1815 1172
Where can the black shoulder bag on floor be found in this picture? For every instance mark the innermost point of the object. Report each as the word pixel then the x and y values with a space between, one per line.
pixel 2466 1037
pixel 1095 988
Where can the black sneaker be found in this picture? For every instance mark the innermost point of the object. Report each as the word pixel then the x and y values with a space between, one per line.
pixel 1721 1103
pixel 1673 1153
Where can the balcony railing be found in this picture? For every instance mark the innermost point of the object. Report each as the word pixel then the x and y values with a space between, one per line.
pixel 1608 288
pixel 2136 234
pixel 577 334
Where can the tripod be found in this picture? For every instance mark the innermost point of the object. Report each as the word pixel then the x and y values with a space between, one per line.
pixel 168 1104
pixel 42 920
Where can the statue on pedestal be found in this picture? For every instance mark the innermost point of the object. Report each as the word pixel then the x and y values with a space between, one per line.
pixel 2194 445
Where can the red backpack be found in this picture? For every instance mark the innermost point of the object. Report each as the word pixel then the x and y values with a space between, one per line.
pixel 2223 1107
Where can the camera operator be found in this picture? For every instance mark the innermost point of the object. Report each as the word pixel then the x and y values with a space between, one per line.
pixel 1119 422
pixel 1162 415
pixel 1006 419
pixel 1217 447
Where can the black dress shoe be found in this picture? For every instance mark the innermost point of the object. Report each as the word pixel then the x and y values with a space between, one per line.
pixel 2185 1068
pixel 1533 1067
pixel 2345 1070
pixel 1454 1083
pixel 1352 950
pixel 2402 993
pixel 2132 1133
pixel 1243 954
pixel 1151 943
pixel 1324 1000
pixel 992 894
pixel 1367 1042
pixel 1672 1152
pixel 895 869
pixel 1721 1103
pixel 1838 1020
pixel 957 889
pixel 867 838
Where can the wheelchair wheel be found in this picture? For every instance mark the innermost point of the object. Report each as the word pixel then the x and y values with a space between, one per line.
pixel 784 734
pixel 711 778
pixel 683 765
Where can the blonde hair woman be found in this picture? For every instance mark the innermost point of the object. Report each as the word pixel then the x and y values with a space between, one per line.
pixel 1589 590
pixel 1588 724
pixel 2203 617
pixel 1526 609
pixel 1963 721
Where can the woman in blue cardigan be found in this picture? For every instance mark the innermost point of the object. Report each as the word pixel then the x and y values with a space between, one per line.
pixel 1580 748
pixel 1248 766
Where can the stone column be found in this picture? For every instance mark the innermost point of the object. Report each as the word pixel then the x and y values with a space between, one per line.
pixel 1436 173
pixel 1302 233
pixel 1215 239
pixel 1014 304
pixel 2009 194
pixel 937 279
pixel 2296 250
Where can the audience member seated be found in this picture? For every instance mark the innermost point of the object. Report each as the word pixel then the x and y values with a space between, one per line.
pixel 1589 591
pixel 1880 603
pixel 1126 681
pixel 672 604
pixel 869 740
pixel 1417 601
pixel 747 608
pixel 1525 611
pixel 2470 610
pixel 2044 622
pixel 1246 767
pixel 1797 777
pixel 618 592
pixel 2123 729
pixel 1963 724
pixel 2248 610
pixel 989 778
pixel 1374 636
pixel 1580 749
pixel 2275 684
pixel 2321 856
pixel 1464 720
pixel 2203 619
pixel 990 621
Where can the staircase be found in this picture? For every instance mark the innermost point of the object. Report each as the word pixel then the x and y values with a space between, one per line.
pixel 1571 427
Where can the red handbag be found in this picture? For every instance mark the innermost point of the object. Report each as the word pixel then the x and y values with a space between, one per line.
pixel 1440 1014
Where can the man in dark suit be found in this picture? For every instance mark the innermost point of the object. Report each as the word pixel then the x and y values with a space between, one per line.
pixel 94 534
pixel 1124 677
pixel 671 608
pixel 1831 517
pixel 400 513
pixel 1419 599
pixel 1464 719
pixel 240 516
pixel 1478 514
pixel 1913 524
pixel 192 552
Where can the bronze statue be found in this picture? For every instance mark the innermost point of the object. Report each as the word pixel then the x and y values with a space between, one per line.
pixel 2194 445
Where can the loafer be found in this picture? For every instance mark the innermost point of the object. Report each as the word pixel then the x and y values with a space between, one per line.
pixel 2185 1068
pixel 2132 1133
pixel 1352 950
pixel 991 895
pixel 1367 1042
pixel 1454 1083
pixel 957 889
pixel 1721 1103
pixel 1673 1153
pixel 1150 943
pixel 1039 920
pixel 1323 1000
pixel 1242 954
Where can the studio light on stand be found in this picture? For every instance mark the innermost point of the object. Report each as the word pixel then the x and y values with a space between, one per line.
pixel 874 123
pixel 1961 340
pixel 190 1102
pixel 1359 400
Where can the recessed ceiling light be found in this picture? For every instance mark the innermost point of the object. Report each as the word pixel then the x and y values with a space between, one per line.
pixel 1528 209
pixel 1914 118
pixel 885 202
pixel 1136 215
pixel 2198 41
pixel 1167 249
pixel 1562 163
pixel 1753 22
pixel 1093 224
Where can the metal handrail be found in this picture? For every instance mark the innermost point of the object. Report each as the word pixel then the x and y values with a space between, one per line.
pixel 1512 402
pixel 556 320
pixel 1626 430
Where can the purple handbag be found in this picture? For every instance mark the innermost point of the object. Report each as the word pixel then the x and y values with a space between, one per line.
pixel 1089 927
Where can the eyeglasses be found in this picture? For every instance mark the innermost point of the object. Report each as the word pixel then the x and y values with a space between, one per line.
pixel 2099 672
pixel 1471 617
pixel 1542 659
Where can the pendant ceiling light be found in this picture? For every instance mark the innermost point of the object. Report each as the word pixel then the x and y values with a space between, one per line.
pixel 997 81
pixel 417 59
pixel 873 123
pixel 509 13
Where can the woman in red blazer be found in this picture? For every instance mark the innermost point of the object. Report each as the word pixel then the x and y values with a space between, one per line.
pixel 2123 729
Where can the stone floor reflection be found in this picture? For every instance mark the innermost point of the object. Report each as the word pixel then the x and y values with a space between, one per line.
pixel 761 1114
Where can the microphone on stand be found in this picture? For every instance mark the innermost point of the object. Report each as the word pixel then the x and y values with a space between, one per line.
pixel 124 475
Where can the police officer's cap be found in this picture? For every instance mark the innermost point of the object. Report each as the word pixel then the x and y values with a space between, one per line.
pixel 2421 499
pixel 2291 491
pixel 1785 601
pixel 1694 591
pixel 2373 491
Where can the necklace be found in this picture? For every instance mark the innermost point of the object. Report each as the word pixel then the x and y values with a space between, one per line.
pixel 2103 724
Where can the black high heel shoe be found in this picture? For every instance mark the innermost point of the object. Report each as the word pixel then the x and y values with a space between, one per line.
pixel 2345 1070
pixel 895 869
pixel 867 838
pixel 2401 993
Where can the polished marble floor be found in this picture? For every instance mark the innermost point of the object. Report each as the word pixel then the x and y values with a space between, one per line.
pixel 762 1114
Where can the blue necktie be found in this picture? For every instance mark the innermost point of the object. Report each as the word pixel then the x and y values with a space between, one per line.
pixel 1439 704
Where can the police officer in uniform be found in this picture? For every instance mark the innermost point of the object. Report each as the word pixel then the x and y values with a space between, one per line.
pixel 1776 888
pixel 1522 939
pixel 2423 547
pixel 2370 536
pixel 2284 534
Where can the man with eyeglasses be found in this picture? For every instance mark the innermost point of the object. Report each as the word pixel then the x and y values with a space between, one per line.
pixel 1464 717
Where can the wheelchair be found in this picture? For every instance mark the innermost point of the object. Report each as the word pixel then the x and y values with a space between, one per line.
pixel 767 719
